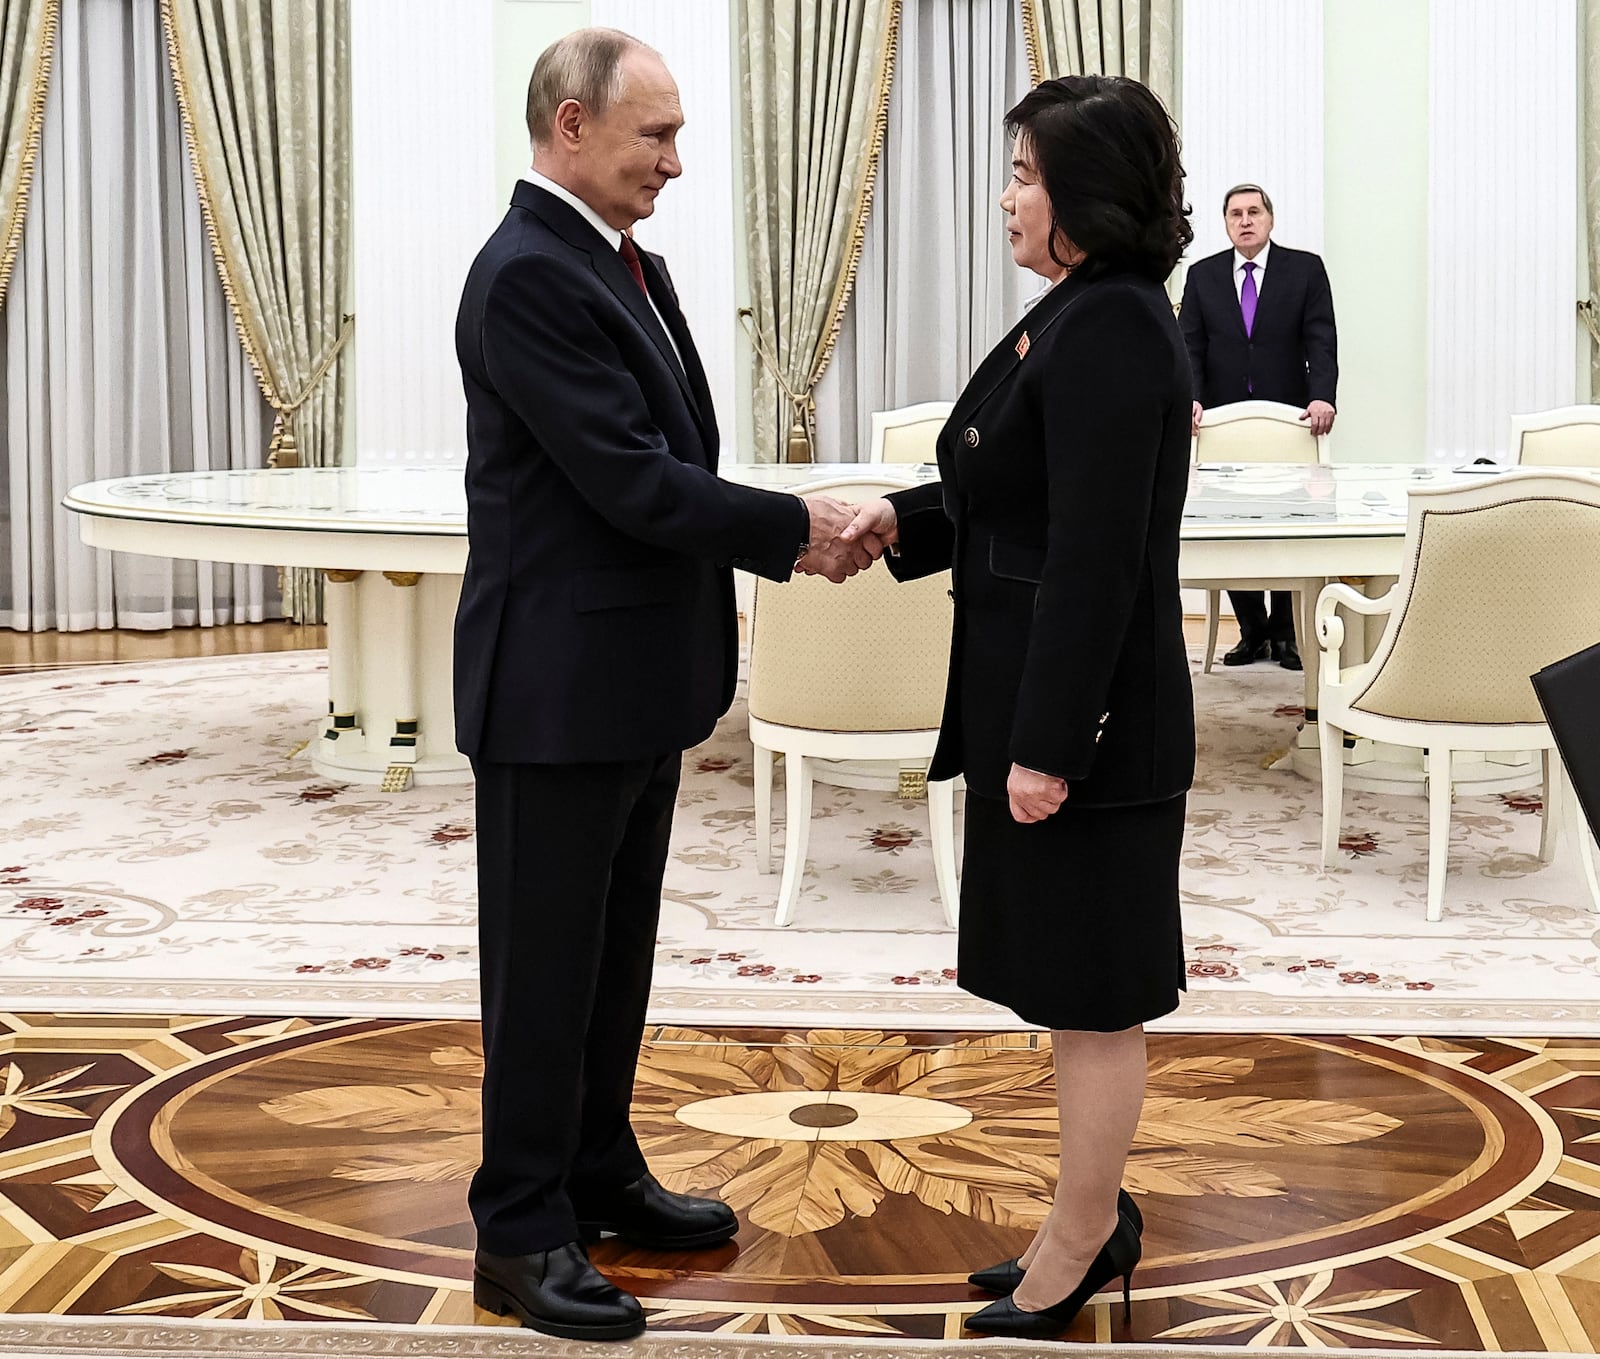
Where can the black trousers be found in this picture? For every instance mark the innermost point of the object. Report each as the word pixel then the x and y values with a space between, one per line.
pixel 1250 608
pixel 570 862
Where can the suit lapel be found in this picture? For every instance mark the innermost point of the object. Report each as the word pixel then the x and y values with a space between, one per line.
pixel 1003 359
pixel 566 222
pixel 614 274
pixel 1281 264
pixel 1230 294
pixel 672 315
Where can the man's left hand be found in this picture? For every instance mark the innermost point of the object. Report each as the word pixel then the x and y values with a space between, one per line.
pixel 1320 414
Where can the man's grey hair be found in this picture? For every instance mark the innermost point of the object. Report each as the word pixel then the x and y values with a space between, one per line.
pixel 1244 188
pixel 586 65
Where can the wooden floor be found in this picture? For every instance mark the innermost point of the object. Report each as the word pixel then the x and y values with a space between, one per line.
pixel 1319 1191
pixel 53 650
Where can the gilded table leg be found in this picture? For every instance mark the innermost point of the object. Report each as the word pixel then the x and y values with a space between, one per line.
pixel 403 744
pixel 344 669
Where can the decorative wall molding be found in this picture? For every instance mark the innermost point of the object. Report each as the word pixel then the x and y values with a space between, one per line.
pixel 422 94
pixel 1502 218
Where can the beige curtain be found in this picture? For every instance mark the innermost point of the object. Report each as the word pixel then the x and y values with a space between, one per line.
pixel 1589 17
pixel 815 78
pixel 27 38
pixel 264 90
pixel 1135 38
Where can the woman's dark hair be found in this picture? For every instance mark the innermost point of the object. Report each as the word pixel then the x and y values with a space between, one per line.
pixel 1107 155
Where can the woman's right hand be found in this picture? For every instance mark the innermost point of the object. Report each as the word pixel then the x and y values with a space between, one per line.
pixel 875 517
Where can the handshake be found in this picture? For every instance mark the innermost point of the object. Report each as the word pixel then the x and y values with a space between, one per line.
pixel 845 539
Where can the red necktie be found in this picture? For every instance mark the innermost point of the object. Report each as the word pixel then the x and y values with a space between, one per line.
pixel 630 257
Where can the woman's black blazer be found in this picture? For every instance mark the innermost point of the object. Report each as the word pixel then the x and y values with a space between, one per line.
pixel 1063 469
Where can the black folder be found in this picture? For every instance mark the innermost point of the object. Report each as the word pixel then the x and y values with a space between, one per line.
pixel 1569 693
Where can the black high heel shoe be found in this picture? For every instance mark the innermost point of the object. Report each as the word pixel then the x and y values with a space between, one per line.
pixel 1117 1257
pixel 1007 1275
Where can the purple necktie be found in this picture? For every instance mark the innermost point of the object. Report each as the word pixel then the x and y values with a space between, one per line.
pixel 1247 305
pixel 1247 297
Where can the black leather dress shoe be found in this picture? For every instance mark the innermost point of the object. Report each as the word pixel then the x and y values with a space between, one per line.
pixel 557 1292
pixel 644 1214
pixel 1007 1275
pixel 1247 652
pixel 1287 654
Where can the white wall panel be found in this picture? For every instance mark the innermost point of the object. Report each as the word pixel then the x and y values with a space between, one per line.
pixel 1252 111
pixel 1503 215
pixel 423 143
pixel 692 225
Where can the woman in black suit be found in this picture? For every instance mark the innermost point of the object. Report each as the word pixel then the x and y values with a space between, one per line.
pixel 1063 470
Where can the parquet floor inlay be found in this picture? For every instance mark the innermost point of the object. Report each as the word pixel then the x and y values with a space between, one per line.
pixel 1352 1191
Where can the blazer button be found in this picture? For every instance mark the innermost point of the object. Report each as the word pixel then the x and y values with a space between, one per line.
pixel 1104 718
pixel 971 436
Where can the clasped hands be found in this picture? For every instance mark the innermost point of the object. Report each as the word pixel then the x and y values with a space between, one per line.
pixel 845 539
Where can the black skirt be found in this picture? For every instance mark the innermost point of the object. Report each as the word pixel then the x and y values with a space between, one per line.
pixel 1072 922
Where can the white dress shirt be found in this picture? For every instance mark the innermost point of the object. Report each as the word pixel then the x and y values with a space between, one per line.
pixel 608 233
pixel 1261 272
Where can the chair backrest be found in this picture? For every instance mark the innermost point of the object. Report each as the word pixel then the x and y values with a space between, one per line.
pixel 1500 579
pixel 908 434
pixel 868 655
pixel 1568 436
pixel 1257 431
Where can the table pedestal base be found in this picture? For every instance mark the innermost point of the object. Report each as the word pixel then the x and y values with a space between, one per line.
pixel 391 717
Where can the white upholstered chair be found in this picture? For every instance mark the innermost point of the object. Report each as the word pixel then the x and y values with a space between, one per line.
pixel 1251 431
pixel 1499 580
pixel 1567 436
pixel 851 672
pixel 908 434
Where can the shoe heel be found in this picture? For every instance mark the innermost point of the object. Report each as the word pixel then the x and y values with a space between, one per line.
pixel 1127 1298
pixel 489 1298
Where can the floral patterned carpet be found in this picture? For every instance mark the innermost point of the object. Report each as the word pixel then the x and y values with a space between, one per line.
pixel 164 848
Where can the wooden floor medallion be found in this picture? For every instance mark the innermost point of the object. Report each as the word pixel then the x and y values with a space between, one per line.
pixel 1322 1191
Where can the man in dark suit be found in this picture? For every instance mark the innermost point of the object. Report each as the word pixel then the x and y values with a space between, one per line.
pixel 1258 321
pixel 595 641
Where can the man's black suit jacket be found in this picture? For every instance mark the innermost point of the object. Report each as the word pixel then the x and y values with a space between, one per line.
pixel 596 620
pixel 1292 352
pixel 1063 470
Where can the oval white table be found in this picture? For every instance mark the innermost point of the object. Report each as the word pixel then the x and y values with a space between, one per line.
pixel 391 542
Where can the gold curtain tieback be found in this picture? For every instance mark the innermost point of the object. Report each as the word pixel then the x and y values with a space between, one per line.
pixel 282 451
pixel 802 441
pixel 1591 322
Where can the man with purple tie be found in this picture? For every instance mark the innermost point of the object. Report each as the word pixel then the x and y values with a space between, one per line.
pixel 1254 340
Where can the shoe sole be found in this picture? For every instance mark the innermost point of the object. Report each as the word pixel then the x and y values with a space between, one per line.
pixel 591 1232
pixel 492 1298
